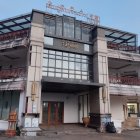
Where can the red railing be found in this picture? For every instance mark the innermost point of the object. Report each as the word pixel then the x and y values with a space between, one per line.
pixel 124 80
pixel 115 46
pixel 14 35
pixel 12 73
pixel 13 43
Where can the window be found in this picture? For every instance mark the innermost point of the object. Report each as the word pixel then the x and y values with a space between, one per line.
pixel 66 65
pixel 86 47
pixel 68 27
pixel 48 40
pixel 9 101
pixel 50 26
pixel 77 30
pixel 85 33
pixel 59 26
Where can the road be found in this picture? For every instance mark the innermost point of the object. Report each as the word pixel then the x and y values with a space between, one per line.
pixel 127 135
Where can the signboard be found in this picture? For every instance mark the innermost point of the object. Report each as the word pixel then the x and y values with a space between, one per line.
pixel 93 19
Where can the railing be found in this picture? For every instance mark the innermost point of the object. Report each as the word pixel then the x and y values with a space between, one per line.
pixel 124 80
pixel 120 47
pixel 12 73
pixel 13 43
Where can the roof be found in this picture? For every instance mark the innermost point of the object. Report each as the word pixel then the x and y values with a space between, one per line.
pixel 17 23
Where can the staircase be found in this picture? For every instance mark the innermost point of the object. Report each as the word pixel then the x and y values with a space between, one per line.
pixel 129 123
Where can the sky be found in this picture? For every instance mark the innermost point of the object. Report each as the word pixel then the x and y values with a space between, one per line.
pixel 118 14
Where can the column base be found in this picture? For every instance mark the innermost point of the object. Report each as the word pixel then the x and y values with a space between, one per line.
pixel 99 121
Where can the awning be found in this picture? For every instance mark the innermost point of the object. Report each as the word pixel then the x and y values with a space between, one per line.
pixel 12 85
pixel 53 84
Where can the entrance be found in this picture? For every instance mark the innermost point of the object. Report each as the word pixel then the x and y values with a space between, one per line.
pixel 53 113
pixel 132 109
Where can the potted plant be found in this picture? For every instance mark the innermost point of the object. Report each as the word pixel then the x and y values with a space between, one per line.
pixel 86 121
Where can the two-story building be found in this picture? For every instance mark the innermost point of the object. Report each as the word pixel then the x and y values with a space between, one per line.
pixel 57 69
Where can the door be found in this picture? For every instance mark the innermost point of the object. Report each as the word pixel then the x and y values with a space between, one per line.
pixel 53 113
pixel 83 106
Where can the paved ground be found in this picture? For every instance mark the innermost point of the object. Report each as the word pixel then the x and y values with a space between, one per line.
pixel 127 135
pixel 77 132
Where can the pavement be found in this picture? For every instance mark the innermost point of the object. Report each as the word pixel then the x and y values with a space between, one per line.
pixel 71 133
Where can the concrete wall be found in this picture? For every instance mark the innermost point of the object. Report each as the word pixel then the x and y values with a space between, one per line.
pixel 70 105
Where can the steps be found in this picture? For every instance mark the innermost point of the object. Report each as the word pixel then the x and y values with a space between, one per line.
pixel 66 130
pixel 129 123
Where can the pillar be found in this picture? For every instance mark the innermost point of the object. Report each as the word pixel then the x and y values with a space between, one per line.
pixel 99 97
pixel 33 89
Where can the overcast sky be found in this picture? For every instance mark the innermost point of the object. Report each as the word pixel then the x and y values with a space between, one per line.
pixel 120 14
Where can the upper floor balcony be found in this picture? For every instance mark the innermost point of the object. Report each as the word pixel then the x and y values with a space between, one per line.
pixel 14 73
pixel 13 43
pixel 124 80
pixel 123 47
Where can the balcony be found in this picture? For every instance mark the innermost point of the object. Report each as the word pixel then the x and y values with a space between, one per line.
pixel 124 80
pixel 12 73
pixel 121 47
pixel 13 43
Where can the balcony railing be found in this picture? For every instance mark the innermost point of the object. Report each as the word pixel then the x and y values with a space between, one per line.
pixel 12 73
pixel 120 47
pixel 13 43
pixel 124 80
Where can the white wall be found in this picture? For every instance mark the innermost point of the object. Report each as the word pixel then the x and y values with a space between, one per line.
pixel 116 104
pixel 70 105
pixel 22 104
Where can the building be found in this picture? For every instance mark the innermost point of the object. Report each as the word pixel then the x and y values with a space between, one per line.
pixel 56 69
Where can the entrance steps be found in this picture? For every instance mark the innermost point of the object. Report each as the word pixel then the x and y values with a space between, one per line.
pixel 71 129
pixel 129 123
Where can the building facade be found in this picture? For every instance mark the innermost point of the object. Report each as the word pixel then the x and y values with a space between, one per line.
pixel 57 69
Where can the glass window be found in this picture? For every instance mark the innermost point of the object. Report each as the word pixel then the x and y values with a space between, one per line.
pixel 78 66
pixel 51 56
pixel 9 101
pixel 77 30
pixel 65 54
pixel 45 51
pixel 78 76
pixel 71 76
pixel 58 74
pixel 65 75
pixel 84 67
pixel 58 70
pixel 65 64
pixel 86 47
pixel 71 65
pixel 59 26
pixel 68 27
pixel 58 53
pixel 65 71
pixel 85 33
pixel 51 74
pixel 44 73
pixel 48 40
pixel 15 101
pixel 51 63
pixel 6 105
pixel 45 62
pixel 51 69
pixel 84 77
pixel 51 52
pixel 50 26
pixel 58 64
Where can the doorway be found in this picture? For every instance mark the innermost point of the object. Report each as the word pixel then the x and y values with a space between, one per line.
pixel 132 109
pixel 53 113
